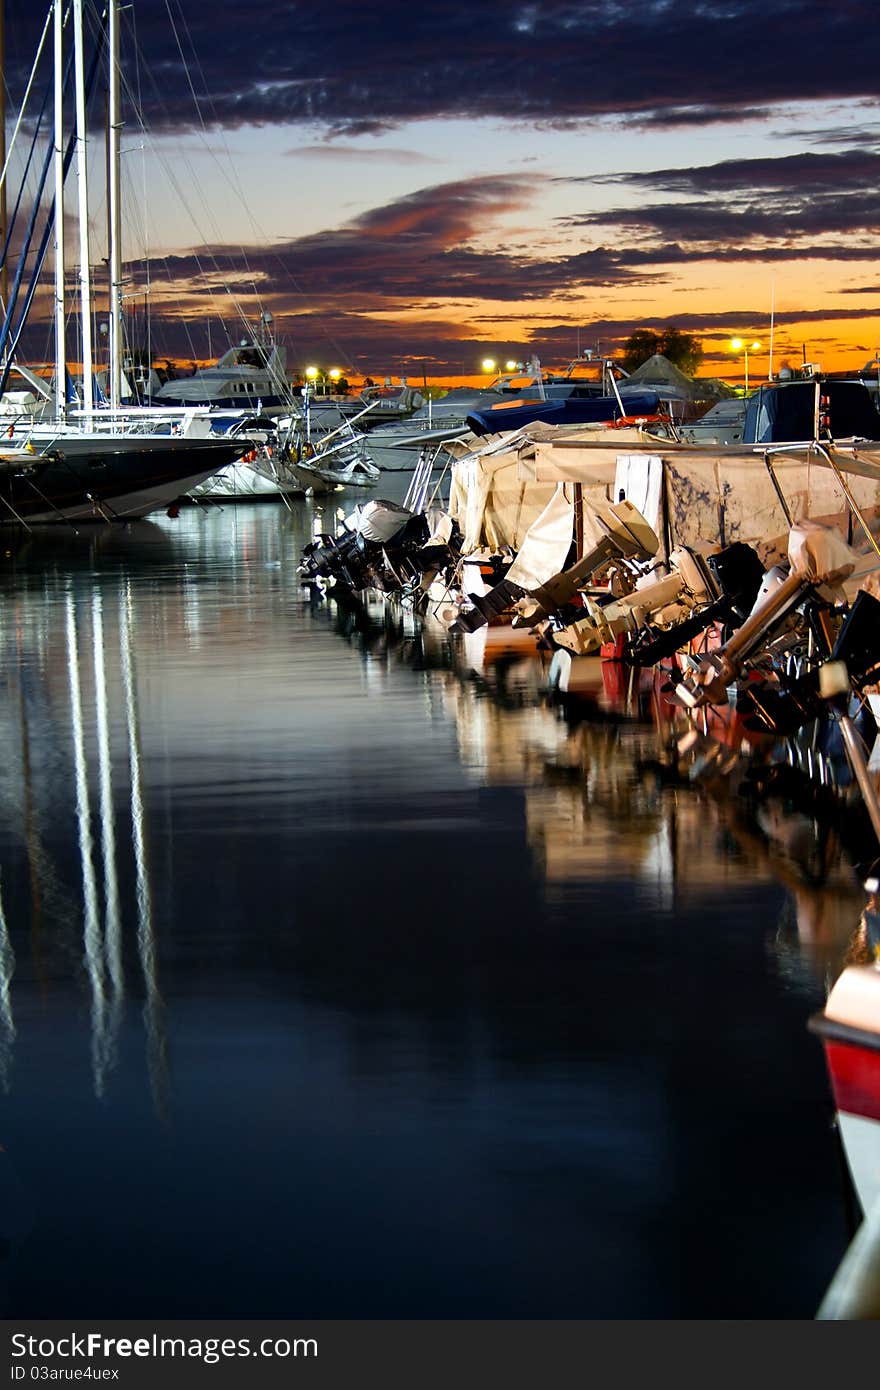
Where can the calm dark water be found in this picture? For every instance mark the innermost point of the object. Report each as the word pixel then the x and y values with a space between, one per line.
pixel 336 983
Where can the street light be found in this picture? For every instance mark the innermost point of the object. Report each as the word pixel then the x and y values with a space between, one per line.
pixel 489 364
pixel 737 345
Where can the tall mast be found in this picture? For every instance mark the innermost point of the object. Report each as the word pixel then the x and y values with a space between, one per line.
pixel 85 288
pixel 115 124
pixel 4 273
pixel 58 242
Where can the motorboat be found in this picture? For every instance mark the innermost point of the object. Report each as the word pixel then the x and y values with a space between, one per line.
pixel 809 409
pixel 575 408
pixel 397 446
pixel 250 376
pixel 244 481
pixel 849 1027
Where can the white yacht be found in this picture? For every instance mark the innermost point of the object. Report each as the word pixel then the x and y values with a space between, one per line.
pixel 250 376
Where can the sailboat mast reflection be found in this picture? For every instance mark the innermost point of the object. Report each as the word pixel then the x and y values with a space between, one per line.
pixel 112 927
pixel 7 1023
pixel 154 1015
pixel 93 953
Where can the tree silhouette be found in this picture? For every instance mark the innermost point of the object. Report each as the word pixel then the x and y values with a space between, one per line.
pixel 682 349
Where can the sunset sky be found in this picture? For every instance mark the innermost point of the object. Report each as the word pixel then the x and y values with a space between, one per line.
pixel 413 188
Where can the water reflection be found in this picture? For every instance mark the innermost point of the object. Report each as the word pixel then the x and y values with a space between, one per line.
pixel 154 1009
pixel 102 1047
pixel 7 1023
pixel 459 984
pixel 605 789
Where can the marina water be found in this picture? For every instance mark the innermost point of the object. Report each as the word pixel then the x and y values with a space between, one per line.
pixel 340 978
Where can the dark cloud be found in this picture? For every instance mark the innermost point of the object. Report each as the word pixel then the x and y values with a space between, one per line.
pixel 799 175
pixel 334 153
pixel 673 117
pixel 775 221
pixel 400 274
pixel 772 203
pixel 865 135
pixel 354 66
pixel 398 255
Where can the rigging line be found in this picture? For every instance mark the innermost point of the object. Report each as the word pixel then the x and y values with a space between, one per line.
pixel 13 218
pixel 185 65
pixel 181 196
pixel 50 504
pixel 226 173
pixel 20 519
pixel 137 100
pixel 25 99
pixel 234 184
pixel 6 351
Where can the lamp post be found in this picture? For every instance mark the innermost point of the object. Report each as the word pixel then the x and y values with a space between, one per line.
pixel 311 376
pixel 737 345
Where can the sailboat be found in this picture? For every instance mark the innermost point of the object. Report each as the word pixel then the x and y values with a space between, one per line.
pixel 67 469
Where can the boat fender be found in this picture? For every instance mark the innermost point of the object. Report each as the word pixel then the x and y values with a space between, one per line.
pixel 624 421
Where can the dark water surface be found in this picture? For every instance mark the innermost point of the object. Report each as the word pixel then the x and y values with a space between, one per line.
pixel 335 983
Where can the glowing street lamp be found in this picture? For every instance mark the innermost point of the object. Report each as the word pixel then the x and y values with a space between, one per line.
pixel 489 364
pixel 737 345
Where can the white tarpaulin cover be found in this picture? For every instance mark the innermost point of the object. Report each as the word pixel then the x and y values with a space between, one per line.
pixel 491 505
pixel 379 521
pixel 639 478
pixel 546 545
pixel 733 496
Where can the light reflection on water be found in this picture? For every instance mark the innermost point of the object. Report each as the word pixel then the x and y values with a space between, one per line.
pixel 337 981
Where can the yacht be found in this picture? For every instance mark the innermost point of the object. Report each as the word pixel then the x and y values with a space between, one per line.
pixel 101 476
pixel 250 376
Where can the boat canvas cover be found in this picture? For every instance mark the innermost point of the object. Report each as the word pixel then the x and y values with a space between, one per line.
pixel 728 496
pixel 380 521
pixel 570 410
pixel 639 479
pixel 491 504
pixel 736 499
pixel 666 379
pixel 690 396
pixel 547 542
